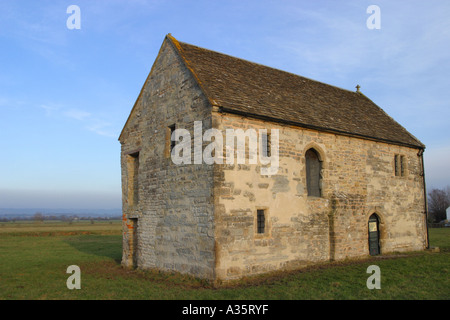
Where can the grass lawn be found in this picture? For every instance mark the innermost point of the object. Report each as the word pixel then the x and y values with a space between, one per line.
pixel 34 260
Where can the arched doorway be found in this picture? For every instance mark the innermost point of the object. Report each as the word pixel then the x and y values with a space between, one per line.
pixel 374 235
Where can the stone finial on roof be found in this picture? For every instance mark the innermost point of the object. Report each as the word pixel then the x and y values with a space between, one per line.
pixel 357 88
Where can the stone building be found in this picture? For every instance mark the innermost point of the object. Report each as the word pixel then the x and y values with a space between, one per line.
pixel 349 181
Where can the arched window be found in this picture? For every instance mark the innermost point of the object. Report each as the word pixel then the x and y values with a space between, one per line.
pixel 313 168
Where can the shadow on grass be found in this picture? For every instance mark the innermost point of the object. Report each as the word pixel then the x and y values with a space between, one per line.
pixel 109 246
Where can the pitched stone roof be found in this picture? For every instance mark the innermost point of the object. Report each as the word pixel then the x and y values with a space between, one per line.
pixel 247 88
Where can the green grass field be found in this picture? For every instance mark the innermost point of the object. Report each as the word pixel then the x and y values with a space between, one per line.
pixel 34 258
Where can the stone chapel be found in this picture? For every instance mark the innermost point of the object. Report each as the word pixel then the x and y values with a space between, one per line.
pixel 349 181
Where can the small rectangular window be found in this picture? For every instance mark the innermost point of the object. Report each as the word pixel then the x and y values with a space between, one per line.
pixel 399 165
pixel 396 165
pixel 402 166
pixel 266 144
pixel 261 221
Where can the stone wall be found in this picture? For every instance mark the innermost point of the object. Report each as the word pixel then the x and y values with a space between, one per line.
pixel 357 180
pixel 172 218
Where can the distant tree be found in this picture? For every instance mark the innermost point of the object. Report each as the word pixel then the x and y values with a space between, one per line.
pixel 38 217
pixel 438 202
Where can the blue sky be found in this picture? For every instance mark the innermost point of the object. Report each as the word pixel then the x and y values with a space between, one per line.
pixel 66 94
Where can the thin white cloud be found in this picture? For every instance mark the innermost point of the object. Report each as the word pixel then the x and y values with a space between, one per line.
pixel 102 128
pixel 93 124
pixel 77 114
pixel 89 121
pixel 49 110
pixel 11 103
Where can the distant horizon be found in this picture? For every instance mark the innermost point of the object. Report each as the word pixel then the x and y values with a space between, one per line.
pixel 59 199
pixel 58 209
pixel 29 212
